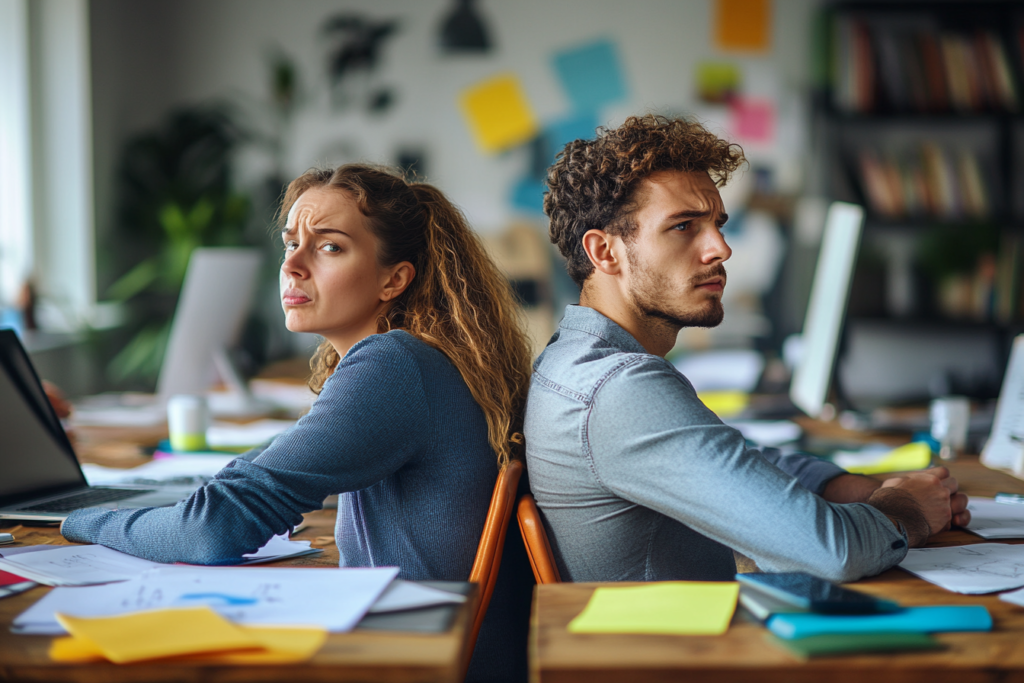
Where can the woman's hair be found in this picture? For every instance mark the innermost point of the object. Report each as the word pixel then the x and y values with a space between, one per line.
pixel 458 302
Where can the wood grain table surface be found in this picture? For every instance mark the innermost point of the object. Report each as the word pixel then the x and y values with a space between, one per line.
pixel 393 657
pixel 745 653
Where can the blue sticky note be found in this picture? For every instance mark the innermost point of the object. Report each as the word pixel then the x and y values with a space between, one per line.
pixel 582 126
pixel 591 75
pixel 528 195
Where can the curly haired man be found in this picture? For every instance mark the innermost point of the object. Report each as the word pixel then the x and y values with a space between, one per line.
pixel 637 479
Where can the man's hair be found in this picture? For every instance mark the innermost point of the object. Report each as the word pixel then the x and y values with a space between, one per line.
pixel 593 183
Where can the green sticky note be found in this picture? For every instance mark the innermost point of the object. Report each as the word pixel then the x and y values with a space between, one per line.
pixel 689 608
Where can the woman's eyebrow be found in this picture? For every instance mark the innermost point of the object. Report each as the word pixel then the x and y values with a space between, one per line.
pixel 317 231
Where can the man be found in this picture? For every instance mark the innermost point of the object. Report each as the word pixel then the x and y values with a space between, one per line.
pixel 637 479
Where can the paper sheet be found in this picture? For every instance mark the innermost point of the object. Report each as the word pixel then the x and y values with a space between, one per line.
pixel 971 569
pixel 1005 446
pixel 498 113
pixel 334 599
pixel 278 548
pixel 76 565
pixel 678 607
pixel 1015 597
pixel 768 432
pixel 990 519
pixel 178 470
pixel 161 633
pixel 404 595
pixel 248 435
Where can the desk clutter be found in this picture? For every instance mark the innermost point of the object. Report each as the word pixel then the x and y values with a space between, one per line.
pixel 120 608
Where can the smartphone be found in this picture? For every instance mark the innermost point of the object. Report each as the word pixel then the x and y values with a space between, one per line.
pixel 815 595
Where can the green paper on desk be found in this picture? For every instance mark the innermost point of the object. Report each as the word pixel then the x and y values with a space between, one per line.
pixel 690 608
pixel 854 643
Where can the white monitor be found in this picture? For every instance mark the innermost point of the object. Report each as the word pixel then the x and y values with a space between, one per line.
pixel 827 307
pixel 214 301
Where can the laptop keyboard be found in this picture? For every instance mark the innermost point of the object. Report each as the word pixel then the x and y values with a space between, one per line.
pixel 85 499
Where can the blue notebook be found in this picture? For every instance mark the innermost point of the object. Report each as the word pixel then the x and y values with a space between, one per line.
pixel 910 620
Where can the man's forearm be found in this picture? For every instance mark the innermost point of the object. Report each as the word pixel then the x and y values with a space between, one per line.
pixel 901 508
pixel 850 488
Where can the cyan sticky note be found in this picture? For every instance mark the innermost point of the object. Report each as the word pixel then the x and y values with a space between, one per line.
pixel 591 75
pixel 580 126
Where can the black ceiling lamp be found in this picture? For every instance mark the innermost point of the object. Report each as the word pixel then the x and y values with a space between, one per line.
pixel 464 31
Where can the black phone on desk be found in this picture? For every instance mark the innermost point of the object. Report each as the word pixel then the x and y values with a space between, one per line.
pixel 800 592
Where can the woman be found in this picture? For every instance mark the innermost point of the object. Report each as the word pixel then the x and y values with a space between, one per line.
pixel 422 378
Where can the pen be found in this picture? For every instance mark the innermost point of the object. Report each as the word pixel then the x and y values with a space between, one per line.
pixel 6 538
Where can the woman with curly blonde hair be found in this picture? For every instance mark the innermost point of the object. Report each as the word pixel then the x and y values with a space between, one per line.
pixel 422 379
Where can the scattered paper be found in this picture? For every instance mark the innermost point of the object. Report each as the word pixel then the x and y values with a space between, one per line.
pixel 677 608
pixel 248 435
pixel 181 469
pixel 743 24
pixel 334 599
pixel 498 113
pixel 971 569
pixel 724 370
pixel 278 548
pixel 591 74
pixel 156 634
pixel 990 519
pixel 768 432
pixel 76 565
pixel 403 595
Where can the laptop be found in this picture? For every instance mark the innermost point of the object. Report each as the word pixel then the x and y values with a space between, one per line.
pixel 40 478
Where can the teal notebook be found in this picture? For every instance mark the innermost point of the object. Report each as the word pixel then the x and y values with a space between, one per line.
pixel 854 643
pixel 910 620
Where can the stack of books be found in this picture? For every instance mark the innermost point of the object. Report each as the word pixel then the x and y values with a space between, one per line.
pixel 890 66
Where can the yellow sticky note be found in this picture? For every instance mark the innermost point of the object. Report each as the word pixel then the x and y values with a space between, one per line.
pixel 743 24
pixel 159 633
pixel 282 645
pixel 498 113
pixel 725 403
pixel 688 608
pixel 911 456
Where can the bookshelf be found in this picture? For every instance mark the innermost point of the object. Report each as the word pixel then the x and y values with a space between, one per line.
pixel 921 120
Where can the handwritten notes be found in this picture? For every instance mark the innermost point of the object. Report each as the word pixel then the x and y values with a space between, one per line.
pixel 674 608
pixel 76 565
pixel 971 569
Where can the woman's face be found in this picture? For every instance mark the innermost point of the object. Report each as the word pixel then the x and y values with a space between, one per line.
pixel 331 282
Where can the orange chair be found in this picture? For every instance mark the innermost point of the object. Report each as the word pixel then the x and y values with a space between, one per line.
pixel 536 540
pixel 492 542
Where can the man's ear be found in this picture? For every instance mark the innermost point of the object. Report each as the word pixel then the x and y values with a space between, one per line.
pixel 602 250
pixel 401 277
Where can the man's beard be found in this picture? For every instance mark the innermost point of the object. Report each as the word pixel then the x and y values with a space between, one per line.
pixel 648 297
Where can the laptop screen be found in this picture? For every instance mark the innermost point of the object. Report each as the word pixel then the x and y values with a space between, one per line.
pixel 33 460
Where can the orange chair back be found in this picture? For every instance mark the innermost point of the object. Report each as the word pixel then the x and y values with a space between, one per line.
pixel 536 540
pixel 492 542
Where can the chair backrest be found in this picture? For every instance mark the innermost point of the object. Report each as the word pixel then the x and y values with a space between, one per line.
pixel 492 542
pixel 536 540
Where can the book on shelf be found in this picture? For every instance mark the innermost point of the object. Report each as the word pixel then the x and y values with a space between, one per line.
pixel 884 65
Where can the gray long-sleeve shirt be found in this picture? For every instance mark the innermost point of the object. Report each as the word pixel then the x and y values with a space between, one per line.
pixel 638 481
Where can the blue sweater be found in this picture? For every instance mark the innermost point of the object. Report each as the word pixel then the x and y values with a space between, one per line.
pixel 397 433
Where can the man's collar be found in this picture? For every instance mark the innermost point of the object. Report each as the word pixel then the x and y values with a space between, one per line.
pixel 588 320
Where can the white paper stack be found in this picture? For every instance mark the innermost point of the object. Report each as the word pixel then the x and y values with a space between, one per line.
pixel 990 519
pixel 971 569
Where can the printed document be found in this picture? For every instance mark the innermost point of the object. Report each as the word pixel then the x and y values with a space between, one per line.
pixel 979 568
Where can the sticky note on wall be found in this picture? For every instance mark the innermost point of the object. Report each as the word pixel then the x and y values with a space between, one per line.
pixel 591 75
pixel 498 113
pixel 743 24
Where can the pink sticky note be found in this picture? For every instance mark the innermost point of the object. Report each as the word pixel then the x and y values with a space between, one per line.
pixel 753 120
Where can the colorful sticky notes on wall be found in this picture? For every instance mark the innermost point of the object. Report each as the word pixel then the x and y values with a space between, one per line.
pixel 753 120
pixel 591 75
pixel 673 607
pixel 498 113
pixel 743 24
pixel 717 82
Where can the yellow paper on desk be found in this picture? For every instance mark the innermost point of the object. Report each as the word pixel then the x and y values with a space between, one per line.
pixel 283 645
pixel 689 608
pixel 911 456
pixel 159 633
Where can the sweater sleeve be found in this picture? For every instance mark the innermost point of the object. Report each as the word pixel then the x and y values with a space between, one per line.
pixel 370 419
pixel 673 455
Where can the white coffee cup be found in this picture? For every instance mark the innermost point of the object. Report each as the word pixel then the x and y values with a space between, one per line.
pixel 187 421
pixel 950 417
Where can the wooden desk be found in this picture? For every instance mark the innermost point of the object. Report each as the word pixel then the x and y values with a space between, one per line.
pixel 744 654
pixel 357 656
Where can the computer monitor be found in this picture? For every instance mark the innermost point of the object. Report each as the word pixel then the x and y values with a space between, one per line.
pixel 827 308
pixel 214 301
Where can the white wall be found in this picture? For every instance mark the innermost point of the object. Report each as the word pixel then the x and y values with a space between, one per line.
pixel 150 56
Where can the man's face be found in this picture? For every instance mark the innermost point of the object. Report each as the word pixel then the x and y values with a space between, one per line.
pixel 674 258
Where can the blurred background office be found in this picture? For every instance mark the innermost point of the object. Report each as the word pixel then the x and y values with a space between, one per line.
pixel 133 131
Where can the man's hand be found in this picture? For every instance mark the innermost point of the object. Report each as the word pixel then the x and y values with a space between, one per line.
pixel 919 501
pixel 961 516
